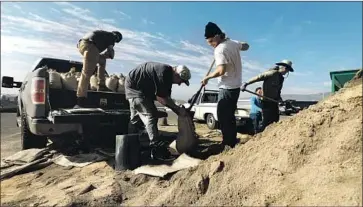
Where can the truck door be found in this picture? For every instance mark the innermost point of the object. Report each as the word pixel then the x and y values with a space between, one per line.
pixel 207 104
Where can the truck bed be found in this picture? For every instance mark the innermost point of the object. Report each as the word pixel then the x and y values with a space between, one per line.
pixel 66 99
pixel 101 107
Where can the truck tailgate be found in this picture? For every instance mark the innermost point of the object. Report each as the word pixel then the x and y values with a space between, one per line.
pixel 92 116
pixel 88 116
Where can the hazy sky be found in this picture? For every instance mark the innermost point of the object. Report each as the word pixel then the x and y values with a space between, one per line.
pixel 317 36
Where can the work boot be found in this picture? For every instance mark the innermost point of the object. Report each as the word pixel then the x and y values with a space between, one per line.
pixel 161 154
pixel 103 87
pixel 81 103
pixel 231 143
pixel 159 151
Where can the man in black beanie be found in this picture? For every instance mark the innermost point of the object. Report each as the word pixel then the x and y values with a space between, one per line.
pixel 229 73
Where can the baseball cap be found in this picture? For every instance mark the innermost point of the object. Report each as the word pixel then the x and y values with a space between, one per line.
pixel 184 73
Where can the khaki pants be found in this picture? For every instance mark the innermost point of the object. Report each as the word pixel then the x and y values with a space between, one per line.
pixel 91 59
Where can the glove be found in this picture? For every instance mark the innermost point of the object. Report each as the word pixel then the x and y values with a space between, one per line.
pixel 243 87
pixel 281 102
pixel 109 52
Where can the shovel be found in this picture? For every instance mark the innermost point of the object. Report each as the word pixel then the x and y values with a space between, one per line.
pixel 198 92
pixel 273 100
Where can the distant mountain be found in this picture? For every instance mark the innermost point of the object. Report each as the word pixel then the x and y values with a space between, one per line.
pixel 306 97
pixel 297 97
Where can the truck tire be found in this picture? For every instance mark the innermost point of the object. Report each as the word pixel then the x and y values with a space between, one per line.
pixel 28 139
pixel 211 121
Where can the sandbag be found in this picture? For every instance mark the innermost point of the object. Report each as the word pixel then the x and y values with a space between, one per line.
pixel 112 82
pixel 94 82
pixel 78 76
pixel 121 83
pixel 187 139
pixel 69 80
pixel 55 79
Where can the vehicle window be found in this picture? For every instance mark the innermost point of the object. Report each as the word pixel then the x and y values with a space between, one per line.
pixel 210 98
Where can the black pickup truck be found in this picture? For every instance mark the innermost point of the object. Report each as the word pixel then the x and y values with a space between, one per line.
pixel 44 112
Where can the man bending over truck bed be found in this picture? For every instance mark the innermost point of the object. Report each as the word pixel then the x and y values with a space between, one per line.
pixel 146 83
pixel 95 47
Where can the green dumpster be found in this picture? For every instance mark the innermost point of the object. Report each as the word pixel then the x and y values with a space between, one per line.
pixel 339 78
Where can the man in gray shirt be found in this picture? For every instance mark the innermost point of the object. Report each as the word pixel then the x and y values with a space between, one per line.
pixel 147 83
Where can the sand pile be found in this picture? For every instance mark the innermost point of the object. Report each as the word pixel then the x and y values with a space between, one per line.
pixel 312 158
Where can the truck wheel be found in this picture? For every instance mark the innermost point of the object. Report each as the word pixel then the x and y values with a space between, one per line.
pixel 211 121
pixel 28 139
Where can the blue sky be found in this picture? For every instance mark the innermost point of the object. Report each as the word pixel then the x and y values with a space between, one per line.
pixel 317 36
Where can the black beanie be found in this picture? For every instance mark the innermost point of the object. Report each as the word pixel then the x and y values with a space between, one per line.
pixel 211 30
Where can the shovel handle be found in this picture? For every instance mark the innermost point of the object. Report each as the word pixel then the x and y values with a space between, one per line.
pixel 195 98
pixel 200 89
pixel 273 100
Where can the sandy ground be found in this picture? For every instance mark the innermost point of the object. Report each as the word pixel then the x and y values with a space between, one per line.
pixel 312 158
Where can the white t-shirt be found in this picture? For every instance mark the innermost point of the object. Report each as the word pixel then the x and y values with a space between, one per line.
pixel 228 52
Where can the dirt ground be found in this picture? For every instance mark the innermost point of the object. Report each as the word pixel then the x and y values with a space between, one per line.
pixel 311 158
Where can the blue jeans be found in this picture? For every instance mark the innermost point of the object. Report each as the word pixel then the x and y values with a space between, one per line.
pixel 144 111
pixel 257 121
pixel 227 105
pixel 270 112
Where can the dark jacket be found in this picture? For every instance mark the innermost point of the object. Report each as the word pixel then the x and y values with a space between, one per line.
pixel 149 80
pixel 272 83
pixel 102 39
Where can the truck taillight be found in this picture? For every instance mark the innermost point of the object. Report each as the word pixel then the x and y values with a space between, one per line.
pixel 38 90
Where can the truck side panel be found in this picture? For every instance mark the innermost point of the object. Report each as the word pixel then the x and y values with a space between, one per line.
pixel 207 108
pixel 34 110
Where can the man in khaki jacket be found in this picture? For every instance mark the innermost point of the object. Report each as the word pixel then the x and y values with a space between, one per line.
pixel 273 80
pixel 95 47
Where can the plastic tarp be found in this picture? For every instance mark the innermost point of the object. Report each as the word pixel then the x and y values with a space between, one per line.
pixel 182 162
pixel 25 156
pixel 80 160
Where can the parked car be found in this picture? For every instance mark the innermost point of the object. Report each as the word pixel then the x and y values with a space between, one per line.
pixel 205 109
pixel 43 111
pixel 287 108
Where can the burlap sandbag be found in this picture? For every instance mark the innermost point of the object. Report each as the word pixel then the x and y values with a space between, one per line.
pixel 112 82
pixel 121 83
pixel 78 75
pixel 187 139
pixel 55 79
pixel 69 80
pixel 94 82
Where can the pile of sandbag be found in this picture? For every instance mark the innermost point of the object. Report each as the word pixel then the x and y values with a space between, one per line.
pixel 69 81
pixel 115 83
pixel 55 79
pixel 112 82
